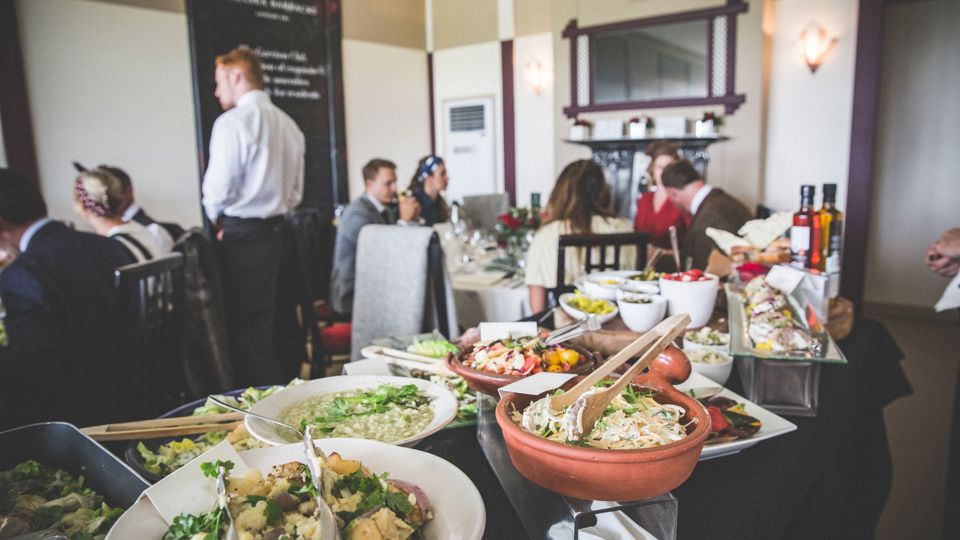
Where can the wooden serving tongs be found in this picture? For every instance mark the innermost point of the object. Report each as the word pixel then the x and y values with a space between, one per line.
pixel 583 414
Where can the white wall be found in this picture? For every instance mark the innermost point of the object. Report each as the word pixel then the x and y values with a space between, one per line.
pixel 386 103
pixel 533 119
pixel 917 186
pixel 468 72
pixel 111 84
pixel 808 130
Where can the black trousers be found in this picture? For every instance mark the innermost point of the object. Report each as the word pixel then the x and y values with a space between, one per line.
pixel 259 286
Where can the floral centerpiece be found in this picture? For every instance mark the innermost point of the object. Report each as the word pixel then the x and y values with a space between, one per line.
pixel 515 229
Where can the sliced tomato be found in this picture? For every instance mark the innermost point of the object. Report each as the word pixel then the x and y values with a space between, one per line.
pixel 718 422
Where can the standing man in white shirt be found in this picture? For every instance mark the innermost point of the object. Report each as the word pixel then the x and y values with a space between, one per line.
pixel 254 176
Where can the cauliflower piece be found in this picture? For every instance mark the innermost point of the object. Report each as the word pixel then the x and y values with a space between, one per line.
pixel 252 519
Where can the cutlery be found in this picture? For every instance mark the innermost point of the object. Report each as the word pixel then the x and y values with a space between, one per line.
pixel 586 325
pixel 675 245
pixel 257 416
pixel 315 460
pixel 568 398
pixel 583 418
pixel 163 427
pixel 222 502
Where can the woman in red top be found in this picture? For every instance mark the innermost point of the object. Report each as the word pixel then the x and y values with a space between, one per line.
pixel 655 213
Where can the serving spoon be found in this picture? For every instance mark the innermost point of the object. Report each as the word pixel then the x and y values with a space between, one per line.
pixel 257 416
pixel 585 411
pixel 315 460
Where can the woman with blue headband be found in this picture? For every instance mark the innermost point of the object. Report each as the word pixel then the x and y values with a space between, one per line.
pixel 427 184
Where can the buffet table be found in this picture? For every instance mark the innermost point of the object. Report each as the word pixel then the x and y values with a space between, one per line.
pixel 829 478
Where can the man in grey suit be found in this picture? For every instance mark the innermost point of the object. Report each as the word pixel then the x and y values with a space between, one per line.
pixel 373 207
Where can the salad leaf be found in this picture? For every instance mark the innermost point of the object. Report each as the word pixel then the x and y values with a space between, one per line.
pixel 211 469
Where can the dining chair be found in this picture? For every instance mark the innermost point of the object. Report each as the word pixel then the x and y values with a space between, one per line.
pixel 151 303
pixel 401 286
pixel 313 237
pixel 595 249
pixel 207 366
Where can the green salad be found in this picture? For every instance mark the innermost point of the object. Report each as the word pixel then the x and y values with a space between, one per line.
pixel 466 396
pixel 434 348
pixel 175 454
pixel 34 497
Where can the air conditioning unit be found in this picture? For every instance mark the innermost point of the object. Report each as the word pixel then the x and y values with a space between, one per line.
pixel 468 147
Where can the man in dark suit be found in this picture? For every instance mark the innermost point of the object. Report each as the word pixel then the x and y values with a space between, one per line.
pixel 61 315
pixel 709 207
pixel 373 207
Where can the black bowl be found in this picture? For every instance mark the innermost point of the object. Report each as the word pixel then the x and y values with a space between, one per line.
pixel 62 445
pixel 132 456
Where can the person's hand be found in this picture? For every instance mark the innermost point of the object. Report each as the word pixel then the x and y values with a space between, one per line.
pixel 949 244
pixel 409 209
pixel 943 256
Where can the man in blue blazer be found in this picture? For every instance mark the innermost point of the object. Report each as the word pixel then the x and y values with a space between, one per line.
pixel 62 357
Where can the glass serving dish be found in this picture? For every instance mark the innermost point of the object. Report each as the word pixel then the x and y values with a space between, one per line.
pixel 742 346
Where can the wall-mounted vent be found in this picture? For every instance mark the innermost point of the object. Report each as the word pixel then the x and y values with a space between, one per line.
pixel 467 118
pixel 468 147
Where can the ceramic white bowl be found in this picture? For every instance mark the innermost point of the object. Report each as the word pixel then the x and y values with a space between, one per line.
pixel 442 401
pixel 577 314
pixel 693 345
pixel 645 287
pixel 641 317
pixel 602 286
pixel 718 373
pixel 695 298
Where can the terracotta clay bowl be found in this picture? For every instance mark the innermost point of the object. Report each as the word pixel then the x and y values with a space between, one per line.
pixel 489 383
pixel 612 475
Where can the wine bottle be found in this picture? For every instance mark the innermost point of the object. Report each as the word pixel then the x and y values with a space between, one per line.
pixel 802 232
pixel 831 244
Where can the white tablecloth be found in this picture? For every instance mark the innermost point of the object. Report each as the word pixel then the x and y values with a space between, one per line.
pixel 503 301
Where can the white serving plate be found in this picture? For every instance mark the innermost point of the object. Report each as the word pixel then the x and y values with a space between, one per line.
pixel 648 287
pixel 458 511
pixel 577 314
pixel 442 401
pixel 772 425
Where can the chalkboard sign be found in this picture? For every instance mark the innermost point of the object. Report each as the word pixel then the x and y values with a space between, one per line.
pixel 298 42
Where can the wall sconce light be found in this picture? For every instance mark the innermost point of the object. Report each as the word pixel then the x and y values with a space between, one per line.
pixel 816 43
pixel 533 72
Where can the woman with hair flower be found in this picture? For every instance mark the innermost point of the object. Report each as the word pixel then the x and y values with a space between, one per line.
pixel 428 185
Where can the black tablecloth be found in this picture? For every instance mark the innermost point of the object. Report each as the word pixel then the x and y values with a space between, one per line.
pixel 828 479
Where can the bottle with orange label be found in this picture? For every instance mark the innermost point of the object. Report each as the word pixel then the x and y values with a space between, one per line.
pixel 831 242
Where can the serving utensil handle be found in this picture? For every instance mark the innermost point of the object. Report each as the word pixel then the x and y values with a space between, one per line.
pixel 569 397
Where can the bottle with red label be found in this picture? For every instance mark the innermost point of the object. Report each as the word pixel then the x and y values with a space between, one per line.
pixel 805 233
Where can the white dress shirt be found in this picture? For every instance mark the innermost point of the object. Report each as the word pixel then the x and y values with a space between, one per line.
pixel 699 197
pixel 139 233
pixel 163 238
pixel 256 168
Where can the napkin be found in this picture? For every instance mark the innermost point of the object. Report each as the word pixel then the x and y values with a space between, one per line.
pixel 951 296
pixel 614 525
